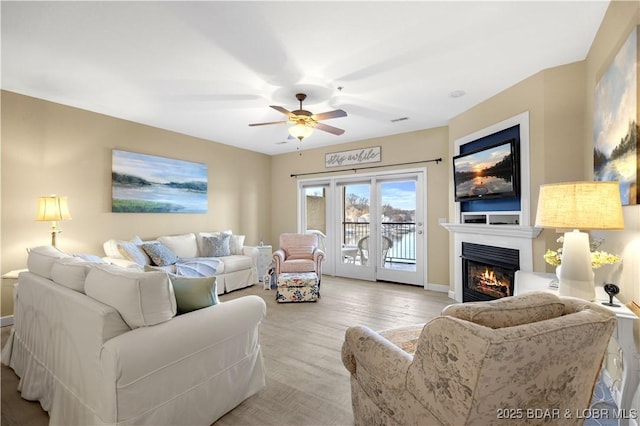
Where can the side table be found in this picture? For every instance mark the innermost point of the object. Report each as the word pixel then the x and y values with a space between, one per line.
pixel 9 283
pixel 264 260
pixel 623 334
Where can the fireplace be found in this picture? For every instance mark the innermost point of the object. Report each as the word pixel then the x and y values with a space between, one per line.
pixel 488 272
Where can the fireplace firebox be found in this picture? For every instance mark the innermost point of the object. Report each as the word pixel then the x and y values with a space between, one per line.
pixel 488 272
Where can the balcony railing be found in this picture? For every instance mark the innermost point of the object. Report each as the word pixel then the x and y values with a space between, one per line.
pixel 403 235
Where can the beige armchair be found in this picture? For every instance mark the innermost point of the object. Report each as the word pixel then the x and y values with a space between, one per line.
pixel 481 363
pixel 299 253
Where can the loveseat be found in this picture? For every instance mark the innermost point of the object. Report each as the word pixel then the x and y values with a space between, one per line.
pixel 96 343
pixel 220 254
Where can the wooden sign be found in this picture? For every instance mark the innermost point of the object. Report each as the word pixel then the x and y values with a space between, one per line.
pixel 356 156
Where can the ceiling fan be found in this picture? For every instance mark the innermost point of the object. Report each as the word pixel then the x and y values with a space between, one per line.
pixel 304 121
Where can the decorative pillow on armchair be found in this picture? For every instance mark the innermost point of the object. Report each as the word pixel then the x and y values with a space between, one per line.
pixel 300 252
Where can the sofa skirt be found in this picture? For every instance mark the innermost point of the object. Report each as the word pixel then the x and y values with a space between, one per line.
pixel 236 280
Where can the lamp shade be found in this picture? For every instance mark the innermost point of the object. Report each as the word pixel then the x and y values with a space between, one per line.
pixel 580 205
pixel 300 131
pixel 53 208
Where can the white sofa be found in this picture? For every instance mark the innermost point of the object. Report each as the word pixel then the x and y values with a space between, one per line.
pixel 101 344
pixel 234 271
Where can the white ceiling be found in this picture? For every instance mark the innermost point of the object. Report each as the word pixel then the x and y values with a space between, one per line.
pixel 209 68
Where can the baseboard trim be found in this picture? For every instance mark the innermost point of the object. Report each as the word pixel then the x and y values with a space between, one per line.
pixel 6 321
pixel 437 287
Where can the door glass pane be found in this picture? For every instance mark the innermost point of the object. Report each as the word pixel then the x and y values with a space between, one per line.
pixel 398 243
pixel 356 223
pixel 316 213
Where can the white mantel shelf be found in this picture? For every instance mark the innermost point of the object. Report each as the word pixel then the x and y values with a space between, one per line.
pixel 515 231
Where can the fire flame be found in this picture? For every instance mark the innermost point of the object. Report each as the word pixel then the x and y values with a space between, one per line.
pixel 490 277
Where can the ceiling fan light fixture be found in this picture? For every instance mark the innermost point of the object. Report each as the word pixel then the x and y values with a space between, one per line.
pixel 300 131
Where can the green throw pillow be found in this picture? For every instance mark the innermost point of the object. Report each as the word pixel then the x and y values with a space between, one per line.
pixel 194 293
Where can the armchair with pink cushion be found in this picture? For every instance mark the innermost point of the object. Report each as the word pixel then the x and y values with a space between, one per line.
pixel 298 253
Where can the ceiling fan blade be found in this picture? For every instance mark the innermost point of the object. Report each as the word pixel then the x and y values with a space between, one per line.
pixel 269 122
pixel 282 110
pixel 330 114
pixel 329 129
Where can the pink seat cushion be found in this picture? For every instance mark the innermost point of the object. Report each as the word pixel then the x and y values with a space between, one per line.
pixel 298 265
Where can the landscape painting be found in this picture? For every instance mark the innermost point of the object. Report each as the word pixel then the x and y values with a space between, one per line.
pixel 142 183
pixel 616 156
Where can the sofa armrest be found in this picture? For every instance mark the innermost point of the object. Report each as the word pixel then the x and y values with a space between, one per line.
pixel 384 365
pixel 252 252
pixel 183 354
pixel 278 257
pixel 318 255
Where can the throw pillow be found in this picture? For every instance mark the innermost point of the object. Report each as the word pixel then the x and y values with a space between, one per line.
pixel 216 246
pixel 236 243
pixel 183 246
pixel 131 251
pixel 159 253
pixel 509 311
pixel 194 293
pixel 300 252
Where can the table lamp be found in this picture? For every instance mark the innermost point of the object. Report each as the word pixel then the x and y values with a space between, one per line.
pixel 579 205
pixel 53 209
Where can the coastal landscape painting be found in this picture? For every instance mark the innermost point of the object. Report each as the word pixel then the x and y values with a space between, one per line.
pixel 616 156
pixel 142 183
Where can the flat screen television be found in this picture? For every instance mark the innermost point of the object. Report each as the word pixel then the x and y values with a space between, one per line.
pixel 487 173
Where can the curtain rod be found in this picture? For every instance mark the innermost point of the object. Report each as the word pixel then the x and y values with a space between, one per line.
pixel 436 160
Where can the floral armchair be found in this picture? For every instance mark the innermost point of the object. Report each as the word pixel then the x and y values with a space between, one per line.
pixel 481 363
pixel 299 253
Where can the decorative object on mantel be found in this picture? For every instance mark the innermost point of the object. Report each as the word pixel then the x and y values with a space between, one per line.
pixel 53 209
pixel 598 258
pixel 355 156
pixel 579 205
pixel 616 146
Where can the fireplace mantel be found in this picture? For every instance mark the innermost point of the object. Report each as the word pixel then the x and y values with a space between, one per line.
pixel 513 231
pixel 517 237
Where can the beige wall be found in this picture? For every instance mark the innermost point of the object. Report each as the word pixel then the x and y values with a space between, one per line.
pixel 618 22
pixel 620 19
pixel 560 104
pixel 555 101
pixel 50 148
pixel 401 148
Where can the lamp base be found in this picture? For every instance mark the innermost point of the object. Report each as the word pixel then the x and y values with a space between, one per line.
pixel 576 274
pixel 575 288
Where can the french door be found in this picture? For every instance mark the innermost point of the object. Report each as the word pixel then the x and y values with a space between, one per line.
pixel 372 225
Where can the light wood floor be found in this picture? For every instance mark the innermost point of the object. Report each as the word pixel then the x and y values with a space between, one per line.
pixel 306 381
